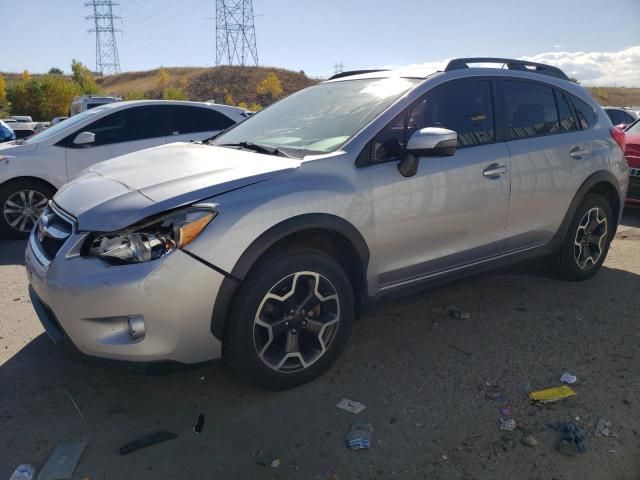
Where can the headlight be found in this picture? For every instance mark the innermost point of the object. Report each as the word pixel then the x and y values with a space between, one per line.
pixel 152 239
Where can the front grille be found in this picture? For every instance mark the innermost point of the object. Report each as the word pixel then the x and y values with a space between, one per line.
pixel 52 231
pixel 634 188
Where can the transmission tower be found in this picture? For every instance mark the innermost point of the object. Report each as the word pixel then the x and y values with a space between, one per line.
pixel 107 60
pixel 235 33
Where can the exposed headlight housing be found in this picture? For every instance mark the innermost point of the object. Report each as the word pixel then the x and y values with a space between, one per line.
pixel 151 239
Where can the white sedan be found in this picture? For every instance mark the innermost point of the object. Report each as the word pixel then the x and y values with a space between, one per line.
pixel 32 169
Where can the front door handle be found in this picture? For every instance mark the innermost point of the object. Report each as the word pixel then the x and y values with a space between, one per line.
pixel 494 171
pixel 578 152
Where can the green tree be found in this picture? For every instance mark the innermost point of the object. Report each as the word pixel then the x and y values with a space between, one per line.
pixel 26 75
pixel 5 105
pixel 83 77
pixel 135 95
pixel 163 79
pixel 174 93
pixel 57 95
pixel 270 86
pixel 55 71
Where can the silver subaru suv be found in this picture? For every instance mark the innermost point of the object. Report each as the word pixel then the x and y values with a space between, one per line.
pixel 263 244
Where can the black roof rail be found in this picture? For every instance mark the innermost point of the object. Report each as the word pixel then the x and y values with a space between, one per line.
pixel 356 72
pixel 511 64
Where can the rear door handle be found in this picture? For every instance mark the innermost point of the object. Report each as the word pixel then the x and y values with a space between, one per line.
pixel 494 171
pixel 578 152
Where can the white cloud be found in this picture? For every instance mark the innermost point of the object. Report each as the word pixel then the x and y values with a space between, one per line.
pixel 601 69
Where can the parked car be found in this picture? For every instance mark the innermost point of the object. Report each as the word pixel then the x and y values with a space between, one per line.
pixel 22 130
pixel 6 132
pixel 87 102
pixel 56 120
pixel 621 116
pixel 32 170
pixel 263 246
pixel 22 118
pixel 632 152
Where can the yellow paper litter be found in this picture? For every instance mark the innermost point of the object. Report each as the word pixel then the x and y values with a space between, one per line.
pixel 552 394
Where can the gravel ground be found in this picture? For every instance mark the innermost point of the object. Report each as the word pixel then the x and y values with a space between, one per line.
pixel 424 377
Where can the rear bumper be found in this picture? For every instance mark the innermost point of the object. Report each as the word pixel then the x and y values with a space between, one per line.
pixel 633 193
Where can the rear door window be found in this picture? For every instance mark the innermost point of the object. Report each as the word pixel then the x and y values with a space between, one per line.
pixel 151 121
pixel 529 109
pixel 189 119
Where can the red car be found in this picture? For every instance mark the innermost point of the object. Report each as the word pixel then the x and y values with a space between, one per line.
pixel 632 152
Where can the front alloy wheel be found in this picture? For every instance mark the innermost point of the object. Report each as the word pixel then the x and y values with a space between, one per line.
pixel 23 208
pixel 296 322
pixel 290 318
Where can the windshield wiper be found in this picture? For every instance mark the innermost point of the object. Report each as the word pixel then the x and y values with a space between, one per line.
pixel 257 148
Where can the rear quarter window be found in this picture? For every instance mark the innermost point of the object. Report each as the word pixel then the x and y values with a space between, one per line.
pixel 585 112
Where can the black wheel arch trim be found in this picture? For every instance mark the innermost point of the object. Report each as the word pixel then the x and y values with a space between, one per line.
pixel 601 176
pixel 280 231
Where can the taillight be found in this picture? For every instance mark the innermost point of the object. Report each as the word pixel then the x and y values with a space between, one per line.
pixel 618 136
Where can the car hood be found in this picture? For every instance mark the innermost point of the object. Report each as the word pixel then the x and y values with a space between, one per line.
pixel 13 148
pixel 117 193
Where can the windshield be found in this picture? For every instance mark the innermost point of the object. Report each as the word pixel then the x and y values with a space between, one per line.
pixel 60 126
pixel 318 119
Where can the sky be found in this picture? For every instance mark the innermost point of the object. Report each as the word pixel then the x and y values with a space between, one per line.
pixel 597 41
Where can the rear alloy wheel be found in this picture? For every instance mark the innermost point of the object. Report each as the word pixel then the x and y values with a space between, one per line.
pixel 587 240
pixel 290 319
pixel 21 204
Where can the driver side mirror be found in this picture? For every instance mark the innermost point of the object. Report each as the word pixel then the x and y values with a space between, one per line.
pixel 427 142
pixel 84 138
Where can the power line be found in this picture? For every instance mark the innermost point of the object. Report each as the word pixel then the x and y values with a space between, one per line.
pixel 107 60
pixel 235 33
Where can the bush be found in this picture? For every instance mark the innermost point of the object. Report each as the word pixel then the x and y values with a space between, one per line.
pixel 42 98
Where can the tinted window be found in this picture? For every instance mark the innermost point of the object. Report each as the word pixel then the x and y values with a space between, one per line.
pixel 530 109
pixel 616 116
pixel 187 119
pixel 628 118
pixel 131 124
pixel 568 122
pixel 465 107
pixel 586 114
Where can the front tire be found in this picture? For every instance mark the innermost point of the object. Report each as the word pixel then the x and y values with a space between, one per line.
pixel 290 319
pixel 21 203
pixel 587 240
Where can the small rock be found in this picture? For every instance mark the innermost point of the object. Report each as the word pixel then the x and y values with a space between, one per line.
pixel 508 425
pixel 529 441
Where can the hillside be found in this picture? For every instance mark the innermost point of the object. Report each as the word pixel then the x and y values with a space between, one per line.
pixel 233 83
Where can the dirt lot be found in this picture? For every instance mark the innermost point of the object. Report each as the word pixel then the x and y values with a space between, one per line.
pixel 422 375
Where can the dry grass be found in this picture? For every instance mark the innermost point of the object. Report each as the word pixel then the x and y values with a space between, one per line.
pixel 616 96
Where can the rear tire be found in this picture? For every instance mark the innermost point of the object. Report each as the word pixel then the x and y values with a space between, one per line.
pixel 21 203
pixel 587 240
pixel 290 319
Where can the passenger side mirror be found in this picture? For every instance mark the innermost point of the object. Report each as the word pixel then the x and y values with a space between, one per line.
pixel 84 138
pixel 427 142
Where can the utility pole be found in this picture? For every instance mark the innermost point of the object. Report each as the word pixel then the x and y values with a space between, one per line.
pixel 235 33
pixel 338 68
pixel 107 60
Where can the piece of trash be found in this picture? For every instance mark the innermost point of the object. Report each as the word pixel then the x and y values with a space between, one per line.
pixel 359 436
pixel 601 428
pixel 62 462
pixel 505 410
pixel 75 404
pixel 147 441
pixel 572 434
pixel 275 463
pixel 202 379
pixel 552 394
pixel 197 427
pixel 350 406
pixel 508 424
pixel 611 450
pixel 23 472
pixel 568 378
pixel 529 441
pixel 444 457
pixel 453 312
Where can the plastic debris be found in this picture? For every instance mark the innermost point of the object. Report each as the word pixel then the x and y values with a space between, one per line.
pixel 444 457
pixel 350 406
pixel 23 472
pixel 508 424
pixel 62 462
pixel 359 436
pixel 529 441
pixel 505 409
pixel 453 312
pixel 571 434
pixel 552 394
pixel 199 425
pixel 568 378
pixel 147 441
pixel 275 463
pixel 601 428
